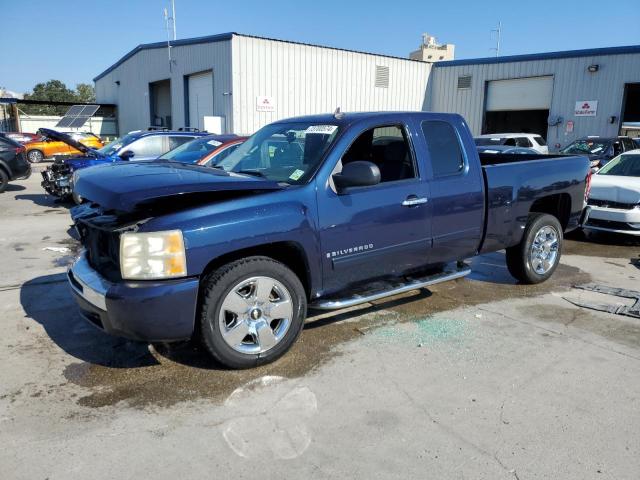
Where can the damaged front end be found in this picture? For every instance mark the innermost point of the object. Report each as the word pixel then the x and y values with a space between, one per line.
pixel 57 179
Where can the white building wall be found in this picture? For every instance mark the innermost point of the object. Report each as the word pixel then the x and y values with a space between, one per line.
pixel 151 65
pixel 572 83
pixel 304 79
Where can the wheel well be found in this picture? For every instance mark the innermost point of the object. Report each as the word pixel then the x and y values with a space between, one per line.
pixel 288 253
pixel 558 205
pixel 5 169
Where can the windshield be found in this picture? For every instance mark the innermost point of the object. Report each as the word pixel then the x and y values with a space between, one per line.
pixel 625 165
pixel 489 140
pixel 593 147
pixel 283 152
pixel 113 147
pixel 192 151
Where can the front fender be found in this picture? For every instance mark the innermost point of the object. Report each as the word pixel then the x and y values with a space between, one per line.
pixel 215 230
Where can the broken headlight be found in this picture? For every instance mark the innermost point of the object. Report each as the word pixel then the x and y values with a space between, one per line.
pixel 151 256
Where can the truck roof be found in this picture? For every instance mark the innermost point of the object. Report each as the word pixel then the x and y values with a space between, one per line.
pixel 348 118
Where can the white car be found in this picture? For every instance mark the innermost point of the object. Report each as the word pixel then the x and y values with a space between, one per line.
pixel 614 202
pixel 527 140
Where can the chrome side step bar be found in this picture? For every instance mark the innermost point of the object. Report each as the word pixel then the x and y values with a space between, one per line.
pixel 395 289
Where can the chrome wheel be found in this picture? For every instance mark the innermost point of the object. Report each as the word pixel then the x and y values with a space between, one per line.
pixel 255 315
pixel 35 156
pixel 544 250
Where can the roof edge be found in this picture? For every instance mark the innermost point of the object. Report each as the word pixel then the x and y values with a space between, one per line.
pixel 228 36
pixel 589 52
pixel 176 43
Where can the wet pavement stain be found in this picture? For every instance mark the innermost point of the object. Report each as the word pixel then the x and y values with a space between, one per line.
pixel 171 373
pixel 613 327
pixel 602 244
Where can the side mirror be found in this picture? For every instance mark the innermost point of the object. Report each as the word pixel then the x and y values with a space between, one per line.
pixel 127 155
pixel 356 174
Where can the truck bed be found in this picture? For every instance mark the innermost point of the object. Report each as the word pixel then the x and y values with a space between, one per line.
pixel 516 185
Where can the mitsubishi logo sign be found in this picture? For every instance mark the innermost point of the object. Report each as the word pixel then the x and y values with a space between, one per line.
pixel 586 108
pixel 265 104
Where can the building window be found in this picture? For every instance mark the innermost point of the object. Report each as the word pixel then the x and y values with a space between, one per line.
pixel 382 76
pixel 464 81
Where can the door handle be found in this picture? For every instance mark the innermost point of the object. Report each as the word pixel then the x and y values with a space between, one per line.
pixel 413 201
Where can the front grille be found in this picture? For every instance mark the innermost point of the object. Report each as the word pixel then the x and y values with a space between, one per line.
pixel 103 248
pixel 595 222
pixel 610 204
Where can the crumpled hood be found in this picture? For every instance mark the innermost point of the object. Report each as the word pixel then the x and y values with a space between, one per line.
pixel 615 188
pixel 125 186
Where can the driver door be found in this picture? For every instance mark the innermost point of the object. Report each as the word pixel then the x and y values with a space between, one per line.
pixel 381 230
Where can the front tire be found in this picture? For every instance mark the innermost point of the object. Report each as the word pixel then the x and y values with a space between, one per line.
pixel 252 312
pixel 35 156
pixel 537 256
pixel 4 180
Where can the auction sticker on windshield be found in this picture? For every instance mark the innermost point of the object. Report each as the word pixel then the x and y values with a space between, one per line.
pixel 215 143
pixel 296 175
pixel 326 129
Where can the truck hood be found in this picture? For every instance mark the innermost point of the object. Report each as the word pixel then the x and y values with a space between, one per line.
pixel 615 188
pixel 61 137
pixel 125 186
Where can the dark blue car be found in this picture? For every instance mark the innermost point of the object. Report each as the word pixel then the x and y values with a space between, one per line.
pixel 325 211
pixel 138 145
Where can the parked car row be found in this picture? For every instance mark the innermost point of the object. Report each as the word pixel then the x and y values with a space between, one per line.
pixel 176 146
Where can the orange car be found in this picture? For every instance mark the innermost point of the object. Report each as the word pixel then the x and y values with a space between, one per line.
pixel 47 147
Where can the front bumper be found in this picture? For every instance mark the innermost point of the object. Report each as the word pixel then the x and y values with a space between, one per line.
pixel 150 311
pixel 612 220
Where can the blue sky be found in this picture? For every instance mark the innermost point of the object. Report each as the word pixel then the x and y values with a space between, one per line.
pixel 73 41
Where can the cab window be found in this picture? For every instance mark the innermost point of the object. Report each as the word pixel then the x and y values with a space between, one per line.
pixel 388 148
pixel 444 148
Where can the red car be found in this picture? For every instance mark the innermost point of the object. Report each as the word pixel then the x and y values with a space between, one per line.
pixel 209 150
pixel 22 137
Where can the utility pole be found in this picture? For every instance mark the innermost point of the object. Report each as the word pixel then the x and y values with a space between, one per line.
pixel 170 25
pixel 498 31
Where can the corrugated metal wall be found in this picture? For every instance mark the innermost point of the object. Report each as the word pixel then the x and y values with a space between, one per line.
pixel 304 79
pixel 572 83
pixel 135 74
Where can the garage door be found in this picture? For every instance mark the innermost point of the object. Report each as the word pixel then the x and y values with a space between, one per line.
pixel 532 93
pixel 200 91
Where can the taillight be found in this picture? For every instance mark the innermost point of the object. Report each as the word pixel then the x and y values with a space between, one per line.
pixel 587 189
pixel 20 149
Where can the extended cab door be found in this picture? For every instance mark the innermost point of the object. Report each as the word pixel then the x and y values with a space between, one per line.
pixel 456 186
pixel 377 230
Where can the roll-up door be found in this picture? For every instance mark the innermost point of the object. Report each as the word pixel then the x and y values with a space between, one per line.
pixel 200 92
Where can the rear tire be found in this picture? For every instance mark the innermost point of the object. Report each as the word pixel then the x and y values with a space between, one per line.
pixel 4 180
pixel 537 256
pixel 271 306
pixel 35 156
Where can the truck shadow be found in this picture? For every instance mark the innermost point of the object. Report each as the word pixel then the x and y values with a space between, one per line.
pixel 44 200
pixel 492 268
pixel 47 301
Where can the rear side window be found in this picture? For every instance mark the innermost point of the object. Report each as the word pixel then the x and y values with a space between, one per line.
pixel 152 146
pixel 176 140
pixel 540 141
pixel 444 148
pixel 523 142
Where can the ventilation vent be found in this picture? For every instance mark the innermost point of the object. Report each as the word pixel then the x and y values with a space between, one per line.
pixel 464 81
pixel 382 76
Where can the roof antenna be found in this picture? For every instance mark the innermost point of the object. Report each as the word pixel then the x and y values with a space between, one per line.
pixel 338 114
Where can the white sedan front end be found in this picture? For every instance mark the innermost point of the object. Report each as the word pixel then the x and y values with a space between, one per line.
pixel 614 202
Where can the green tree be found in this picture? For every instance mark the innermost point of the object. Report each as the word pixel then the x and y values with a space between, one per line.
pixel 57 91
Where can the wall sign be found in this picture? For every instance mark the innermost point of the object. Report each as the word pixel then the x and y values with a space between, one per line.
pixel 569 126
pixel 265 104
pixel 586 108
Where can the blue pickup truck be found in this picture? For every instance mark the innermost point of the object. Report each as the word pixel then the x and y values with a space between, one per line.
pixel 321 212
